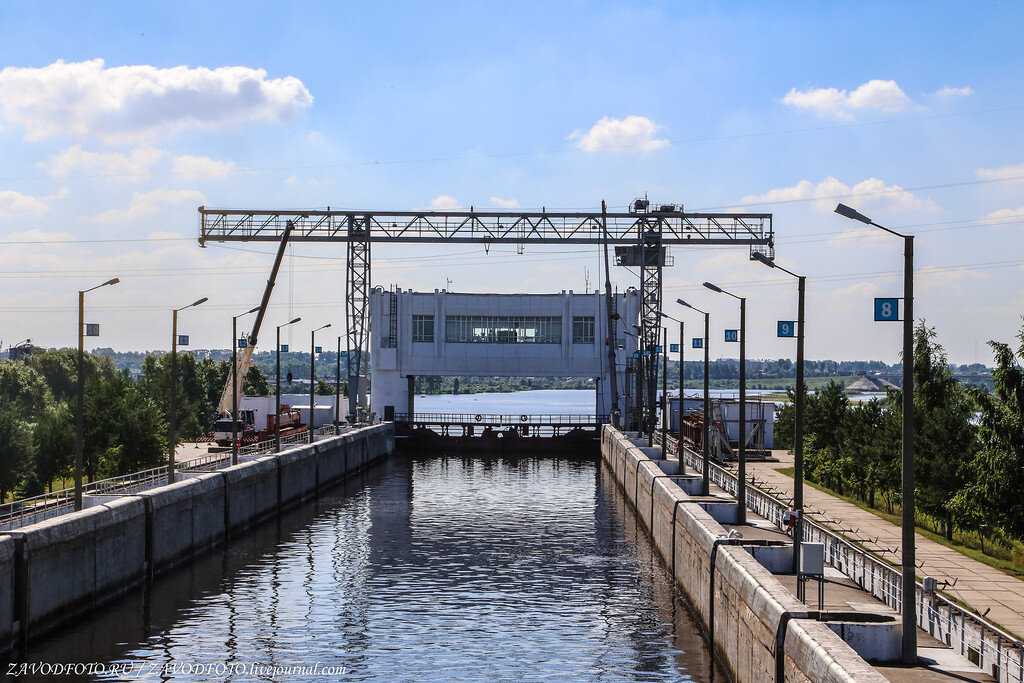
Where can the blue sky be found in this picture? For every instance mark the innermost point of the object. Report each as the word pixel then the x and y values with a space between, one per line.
pixel 912 115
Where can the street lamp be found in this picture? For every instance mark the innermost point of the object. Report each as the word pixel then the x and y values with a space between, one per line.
pixel 171 435
pixel 80 414
pixel 682 458
pixel 337 389
pixel 277 388
pixel 909 583
pixel 312 375
pixel 741 489
pixel 798 436
pixel 644 420
pixel 706 439
pixel 234 383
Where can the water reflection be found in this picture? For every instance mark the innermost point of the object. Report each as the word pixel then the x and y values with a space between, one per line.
pixel 426 568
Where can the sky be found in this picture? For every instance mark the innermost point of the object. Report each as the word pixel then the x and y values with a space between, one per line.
pixel 117 120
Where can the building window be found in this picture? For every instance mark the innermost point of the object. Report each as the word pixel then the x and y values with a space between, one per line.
pixel 583 329
pixel 474 329
pixel 423 328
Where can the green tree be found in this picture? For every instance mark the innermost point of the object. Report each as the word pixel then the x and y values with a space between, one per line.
pixel 323 388
pixel 126 429
pixel 59 368
pixel 16 449
pixel 54 443
pixel 998 466
pixel 23 390
pixel 256 383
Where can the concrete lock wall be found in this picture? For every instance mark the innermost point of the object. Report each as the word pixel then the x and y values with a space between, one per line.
pixel 59 568
pixel 730 587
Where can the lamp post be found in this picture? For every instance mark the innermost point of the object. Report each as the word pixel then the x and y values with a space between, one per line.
pixel 908 560
pixel 80 411
pixel 682 458
pixel 312 375
pixel 741 488
pixel 798 435
pixel 234 383
pixel 706 437
pixel 173 421
pixel 277 388
pixel 337 389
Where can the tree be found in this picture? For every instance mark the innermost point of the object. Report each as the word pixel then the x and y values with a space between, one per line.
pixel 126 429
pixel 998 466
pixel 16 449
pixel 54 442
pixel 323 388
pixel 256 383
pixel 23 389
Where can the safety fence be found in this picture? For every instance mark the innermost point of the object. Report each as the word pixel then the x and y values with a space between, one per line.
pixel 975 638
pixel 27 511
pixel 501 420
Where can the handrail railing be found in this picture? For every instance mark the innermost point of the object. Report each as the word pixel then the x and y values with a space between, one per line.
pixel 35 509
pixel 983 643
pixel 503 420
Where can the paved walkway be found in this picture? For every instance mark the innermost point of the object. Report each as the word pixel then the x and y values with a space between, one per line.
pixel 979 585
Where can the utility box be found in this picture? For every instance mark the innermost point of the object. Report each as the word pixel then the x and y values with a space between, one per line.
pixel 812 559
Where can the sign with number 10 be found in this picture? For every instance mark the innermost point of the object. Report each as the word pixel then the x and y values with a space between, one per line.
pixel 732 335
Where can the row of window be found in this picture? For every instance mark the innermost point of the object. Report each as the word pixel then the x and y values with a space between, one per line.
pixel 503 329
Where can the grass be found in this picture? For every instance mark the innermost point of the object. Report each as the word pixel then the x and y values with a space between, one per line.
pixel 1003 565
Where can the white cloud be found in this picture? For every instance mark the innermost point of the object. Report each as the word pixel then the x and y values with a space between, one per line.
pixel 505 203
pixel 133 166
pixel 145 204
pixel 444 203
pixel 1007 213
pixel 632 134
pixel 1014 171
pixel 949 91
pixel 871 192
pixel 13 203
pixel 193 166
pixel 135 102
pixel 876 94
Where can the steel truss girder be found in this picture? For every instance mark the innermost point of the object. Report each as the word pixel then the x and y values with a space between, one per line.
pixel 486 227
pixel 651 254
pixel 357 280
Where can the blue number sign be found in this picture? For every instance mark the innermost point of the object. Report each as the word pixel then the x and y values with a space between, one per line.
pixel 657 349
pixel 284 348
pixel 673 348
pixel 787 328
pixel 732 335
pixel 182 340
pixel 242 342
pixel 318 349
pixel 698 342
pixel 92 329
pixel 647 352
pixel 636 354
pixel 344 353
pixel 887 309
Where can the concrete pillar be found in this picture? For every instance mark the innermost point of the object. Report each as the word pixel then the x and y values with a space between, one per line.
pixel 412 395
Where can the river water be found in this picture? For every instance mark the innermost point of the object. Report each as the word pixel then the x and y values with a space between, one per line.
pixel 423 568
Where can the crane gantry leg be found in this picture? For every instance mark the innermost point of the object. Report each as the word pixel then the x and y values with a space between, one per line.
pixel 357 298
pixel 652 256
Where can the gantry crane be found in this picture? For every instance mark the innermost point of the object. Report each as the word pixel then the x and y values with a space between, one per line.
pixel 640 236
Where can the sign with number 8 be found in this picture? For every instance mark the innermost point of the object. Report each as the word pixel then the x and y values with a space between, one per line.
pixel 887 309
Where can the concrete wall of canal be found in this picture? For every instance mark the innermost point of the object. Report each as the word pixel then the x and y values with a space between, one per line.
pixel 55 570
pixel 745 609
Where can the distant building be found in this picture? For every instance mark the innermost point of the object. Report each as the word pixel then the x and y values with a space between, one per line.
pixel 494 335
pixel 23 351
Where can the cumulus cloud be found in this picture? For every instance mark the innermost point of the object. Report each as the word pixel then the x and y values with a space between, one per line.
pixel 444 203
pixel 145 204
pixel 132 166
pixel 124 103
pixel 876 94
pixel 631 134
pixel 193 166
pixel 1014 171
pixel 869 193
pixel 505 203
pixel 949 91
pixel 13 203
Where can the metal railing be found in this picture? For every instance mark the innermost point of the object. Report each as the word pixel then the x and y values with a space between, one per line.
pixel 975 638
pixel 502 420
pixel 28 511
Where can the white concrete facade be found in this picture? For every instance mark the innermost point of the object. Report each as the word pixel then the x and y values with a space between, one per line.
pixel 494 335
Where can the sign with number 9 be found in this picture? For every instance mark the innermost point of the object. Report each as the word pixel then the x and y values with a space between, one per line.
pixel 787 328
